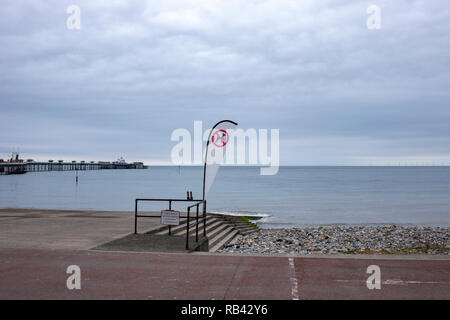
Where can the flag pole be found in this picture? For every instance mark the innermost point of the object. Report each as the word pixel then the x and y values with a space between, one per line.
pixel 206 153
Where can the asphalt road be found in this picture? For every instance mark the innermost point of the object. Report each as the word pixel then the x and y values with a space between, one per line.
pixel 42 274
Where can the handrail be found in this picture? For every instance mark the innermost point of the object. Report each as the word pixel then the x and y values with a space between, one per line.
pixel 188 224
pixel 196 223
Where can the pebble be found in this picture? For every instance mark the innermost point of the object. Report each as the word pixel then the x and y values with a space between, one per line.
pixel 341 239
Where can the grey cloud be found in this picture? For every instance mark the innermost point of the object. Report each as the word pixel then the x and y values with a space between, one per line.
pixel 137 70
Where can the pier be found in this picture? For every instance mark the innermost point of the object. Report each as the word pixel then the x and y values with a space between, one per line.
pixel 31 166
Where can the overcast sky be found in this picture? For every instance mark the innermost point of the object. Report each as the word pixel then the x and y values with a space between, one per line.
pixel 339 92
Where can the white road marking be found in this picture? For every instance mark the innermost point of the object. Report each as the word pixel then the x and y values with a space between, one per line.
pixel 402 283
pixel 398 282
pixel 293 278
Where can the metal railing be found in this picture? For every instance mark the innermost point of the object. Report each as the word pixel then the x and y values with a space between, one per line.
pixel 198 219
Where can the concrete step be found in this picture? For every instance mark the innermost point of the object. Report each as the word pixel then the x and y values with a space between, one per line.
pixel 241 224
pixel 225 240
pixel 211 235
pixel 237 221
pixel 247 230
pixel 246 233
pixel 235 239
pixel 215 231
pixel 164 229
pixel 210 222
pixel 210 226
pixel 220 236
pixel 181 228
pixel 220 230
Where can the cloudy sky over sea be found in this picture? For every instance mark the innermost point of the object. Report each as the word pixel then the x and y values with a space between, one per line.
pixel 339 92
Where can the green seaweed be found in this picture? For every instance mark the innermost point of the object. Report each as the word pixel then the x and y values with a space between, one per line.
pixel 247 220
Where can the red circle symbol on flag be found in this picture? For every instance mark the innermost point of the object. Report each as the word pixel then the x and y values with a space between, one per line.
pixel 220 138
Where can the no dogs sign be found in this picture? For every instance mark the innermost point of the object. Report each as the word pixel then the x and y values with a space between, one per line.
pixel 170 217
pixel 220 138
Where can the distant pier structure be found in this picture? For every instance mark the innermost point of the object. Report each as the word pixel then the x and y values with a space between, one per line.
pixel 16 166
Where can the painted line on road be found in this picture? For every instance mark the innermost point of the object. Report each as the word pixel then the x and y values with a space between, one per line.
pixel 399 282
pixel 293 279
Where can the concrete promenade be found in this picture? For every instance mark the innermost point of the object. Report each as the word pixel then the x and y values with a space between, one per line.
pixel 36 251
pixel 64 229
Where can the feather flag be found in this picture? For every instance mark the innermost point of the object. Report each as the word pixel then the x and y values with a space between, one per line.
pixel 218 139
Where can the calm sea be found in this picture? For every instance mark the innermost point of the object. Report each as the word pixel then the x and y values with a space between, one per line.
pixel 296 196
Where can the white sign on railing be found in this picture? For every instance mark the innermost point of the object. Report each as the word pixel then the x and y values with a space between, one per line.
pixel 170 217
